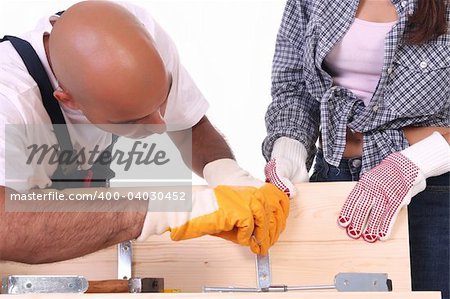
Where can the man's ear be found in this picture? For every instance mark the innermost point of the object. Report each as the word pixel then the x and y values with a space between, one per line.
pixel 66 99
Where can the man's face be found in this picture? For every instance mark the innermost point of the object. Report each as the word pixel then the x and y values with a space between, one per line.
pixel 137 115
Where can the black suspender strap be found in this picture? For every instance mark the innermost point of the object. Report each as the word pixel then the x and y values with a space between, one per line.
pixel 37 71
pixel 66 175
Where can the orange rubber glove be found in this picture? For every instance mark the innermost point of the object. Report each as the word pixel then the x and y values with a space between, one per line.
pixel 276 208
pixel 245 215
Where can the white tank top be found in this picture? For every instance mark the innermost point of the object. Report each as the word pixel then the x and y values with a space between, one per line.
pixel 356 61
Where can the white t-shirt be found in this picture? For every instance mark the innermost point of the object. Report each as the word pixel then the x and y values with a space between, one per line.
pixel 21 104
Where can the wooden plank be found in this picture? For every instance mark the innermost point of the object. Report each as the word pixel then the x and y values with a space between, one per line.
pixel 311 251
pixel 96 266
pixel 302 295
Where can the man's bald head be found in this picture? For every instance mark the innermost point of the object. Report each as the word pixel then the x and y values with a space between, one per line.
pixel 106 63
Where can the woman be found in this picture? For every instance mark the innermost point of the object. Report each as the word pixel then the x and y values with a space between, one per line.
pixel 371 80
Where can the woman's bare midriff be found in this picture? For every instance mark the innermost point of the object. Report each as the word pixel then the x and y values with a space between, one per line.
pixel 354 144
pixel 354 140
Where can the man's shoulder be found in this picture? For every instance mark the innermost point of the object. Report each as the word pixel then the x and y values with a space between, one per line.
pixel 8 56
pixel 14 75
pixel 19 95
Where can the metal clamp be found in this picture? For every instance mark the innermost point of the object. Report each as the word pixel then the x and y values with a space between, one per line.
pixel 343 282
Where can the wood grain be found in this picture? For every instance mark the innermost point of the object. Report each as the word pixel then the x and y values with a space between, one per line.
pixel 306 295
pixel 311 251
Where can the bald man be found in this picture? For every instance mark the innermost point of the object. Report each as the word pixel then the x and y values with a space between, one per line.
pixel 110 64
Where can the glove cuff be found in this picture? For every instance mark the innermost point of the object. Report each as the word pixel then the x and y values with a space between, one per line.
pixel 228 172
pixel 203 202
pixel 431 155
pixel 154 224
pixel 291 149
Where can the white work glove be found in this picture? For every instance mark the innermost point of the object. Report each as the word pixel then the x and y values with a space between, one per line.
pixel 287 165
pixel 373 205
pixel 228 172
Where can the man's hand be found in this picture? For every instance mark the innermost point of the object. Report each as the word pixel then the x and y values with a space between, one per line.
pixel 245 215
pixel 373 205
pixel 287 165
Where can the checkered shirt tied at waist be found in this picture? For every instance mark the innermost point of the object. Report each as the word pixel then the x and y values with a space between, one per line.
pixel 414 88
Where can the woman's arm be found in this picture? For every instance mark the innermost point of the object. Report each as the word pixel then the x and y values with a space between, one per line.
pixel 294 112
pixel 415 134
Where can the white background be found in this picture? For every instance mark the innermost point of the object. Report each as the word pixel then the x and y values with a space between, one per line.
pixel 227 46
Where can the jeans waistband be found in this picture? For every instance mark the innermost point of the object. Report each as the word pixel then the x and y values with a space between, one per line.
pixel 347 170
pixel 353 164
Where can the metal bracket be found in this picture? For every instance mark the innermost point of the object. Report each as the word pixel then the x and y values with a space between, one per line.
pixel 362 282
pixel 124 260
pixel 263 274
pixel 23 284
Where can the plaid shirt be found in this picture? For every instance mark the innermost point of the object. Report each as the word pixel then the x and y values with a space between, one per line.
pixel 413 90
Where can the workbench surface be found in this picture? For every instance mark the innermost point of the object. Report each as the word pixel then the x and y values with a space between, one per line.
pixel 311 251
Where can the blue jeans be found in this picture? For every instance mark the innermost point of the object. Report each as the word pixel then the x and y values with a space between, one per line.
pixel 429 221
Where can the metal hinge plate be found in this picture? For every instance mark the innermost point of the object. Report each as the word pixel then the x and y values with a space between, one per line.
pixel 23 284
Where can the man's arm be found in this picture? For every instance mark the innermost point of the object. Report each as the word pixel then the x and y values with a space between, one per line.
pixel 43 237
pixel 211 157
pixel 207 145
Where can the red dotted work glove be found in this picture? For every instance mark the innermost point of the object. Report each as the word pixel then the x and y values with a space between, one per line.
pixel 373 205
pixel 287 165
